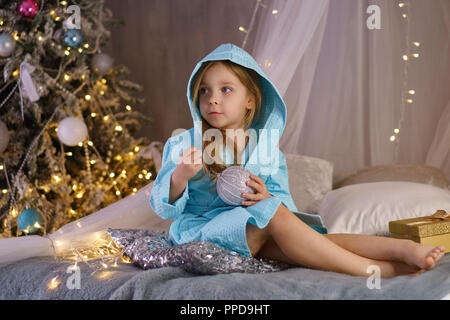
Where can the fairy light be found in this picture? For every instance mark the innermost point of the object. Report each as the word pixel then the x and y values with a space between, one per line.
pixel 87 97
pixel 54 283
pixel 405 5
pixel 128 107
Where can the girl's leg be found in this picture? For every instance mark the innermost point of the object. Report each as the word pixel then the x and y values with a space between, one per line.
pixel 385 248
pixel 306 247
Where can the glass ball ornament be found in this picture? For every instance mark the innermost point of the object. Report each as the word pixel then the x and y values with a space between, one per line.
pixel 72 131
pixel 28 8
pixel 7 44
pixel 4 136
pixel 73 38
pixel 231 183
pixel 102 63
pixel 29 220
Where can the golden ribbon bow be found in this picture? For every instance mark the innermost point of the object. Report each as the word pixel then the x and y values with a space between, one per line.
pixel 439 215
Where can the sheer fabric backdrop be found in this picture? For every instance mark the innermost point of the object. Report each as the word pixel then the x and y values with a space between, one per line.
pixel 343 82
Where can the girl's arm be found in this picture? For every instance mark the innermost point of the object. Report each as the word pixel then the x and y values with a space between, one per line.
pixel 167 198
pixel 177 186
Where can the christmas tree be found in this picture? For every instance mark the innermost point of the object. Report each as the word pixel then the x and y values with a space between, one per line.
pixel 66 117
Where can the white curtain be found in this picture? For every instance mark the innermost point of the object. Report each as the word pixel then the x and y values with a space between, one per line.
pixel 343 83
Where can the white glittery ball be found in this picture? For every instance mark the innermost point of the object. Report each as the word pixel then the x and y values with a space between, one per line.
pixel 102 63
pixel 72 131
pixel 231 183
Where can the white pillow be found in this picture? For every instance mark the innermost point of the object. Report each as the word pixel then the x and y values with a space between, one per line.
pixel 310 179
pixel 367 208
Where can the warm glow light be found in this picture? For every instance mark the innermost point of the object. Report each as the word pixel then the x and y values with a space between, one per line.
pixel 404 15
pixel 5 190
pixel 417 44
pixel 275 11
pixel 401 4
pixel 54 283
pixel 136 149
pixel 392 138
pixel 396 130
pixel 87 97
pixel 242 29
pixel 405 57
pixel 93 114
pixel 128 107
pixel 118 128
pixel 415 55
pixel 118 192
pixel 409 100
pixel 411 92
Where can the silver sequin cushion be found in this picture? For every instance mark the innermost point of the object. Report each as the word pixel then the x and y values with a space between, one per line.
pixel 148 250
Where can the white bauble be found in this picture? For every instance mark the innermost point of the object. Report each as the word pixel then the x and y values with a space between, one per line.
pixel 7 44
pixel 231 183
pixel 72 131
pixel 102 63
pixel 4 136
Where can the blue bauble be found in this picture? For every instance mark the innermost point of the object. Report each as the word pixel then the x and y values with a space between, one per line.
pixel 231 183
pixel 73 38
pixel 27 220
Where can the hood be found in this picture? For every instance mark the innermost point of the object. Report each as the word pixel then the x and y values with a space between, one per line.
pixel 272 114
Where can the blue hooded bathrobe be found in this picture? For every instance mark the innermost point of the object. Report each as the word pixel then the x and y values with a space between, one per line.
pixel 199 213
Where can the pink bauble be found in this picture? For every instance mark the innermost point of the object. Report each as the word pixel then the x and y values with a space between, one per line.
pixel 28 8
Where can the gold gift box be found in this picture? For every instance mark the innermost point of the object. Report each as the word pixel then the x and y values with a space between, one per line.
pixel 431 230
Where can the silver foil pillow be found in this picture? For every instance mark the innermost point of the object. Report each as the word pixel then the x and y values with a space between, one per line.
pixel 149 250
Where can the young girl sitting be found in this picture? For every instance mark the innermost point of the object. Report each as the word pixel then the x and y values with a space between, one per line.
pixel 230 96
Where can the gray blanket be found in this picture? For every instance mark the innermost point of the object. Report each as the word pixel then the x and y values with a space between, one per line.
pixel 30 279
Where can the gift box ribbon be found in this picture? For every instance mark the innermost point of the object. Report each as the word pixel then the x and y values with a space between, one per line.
pixel 439 215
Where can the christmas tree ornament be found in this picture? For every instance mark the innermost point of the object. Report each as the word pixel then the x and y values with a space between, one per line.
pixel 29 221
pixel 72 131
pixel 28 8
pixel 102 63
pixel 7 44
pixel 73 38
pixel 231 183
pixel 4 136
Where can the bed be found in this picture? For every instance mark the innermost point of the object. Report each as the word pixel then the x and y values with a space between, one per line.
pixel 417 190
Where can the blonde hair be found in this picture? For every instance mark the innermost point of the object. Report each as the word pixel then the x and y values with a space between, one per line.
pixel 251 80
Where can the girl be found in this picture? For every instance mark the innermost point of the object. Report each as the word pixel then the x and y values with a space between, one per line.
pixel 230 95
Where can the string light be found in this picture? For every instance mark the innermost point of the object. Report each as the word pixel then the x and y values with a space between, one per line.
pixel 406 56
pixel 252 21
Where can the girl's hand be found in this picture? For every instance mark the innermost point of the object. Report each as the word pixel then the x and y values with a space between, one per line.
pixel 189 164
pixel 261 192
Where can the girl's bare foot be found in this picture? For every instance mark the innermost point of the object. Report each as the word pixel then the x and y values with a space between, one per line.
pixel 423 256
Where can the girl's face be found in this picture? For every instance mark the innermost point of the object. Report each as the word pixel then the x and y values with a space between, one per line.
pixel 224 100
